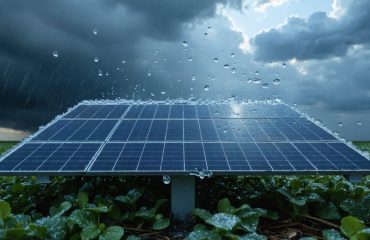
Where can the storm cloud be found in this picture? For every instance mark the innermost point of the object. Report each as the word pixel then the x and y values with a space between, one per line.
pixel 320 36
pixel 36 84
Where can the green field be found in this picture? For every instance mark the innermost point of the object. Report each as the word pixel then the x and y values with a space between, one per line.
pixel 235 208
pixel 4 146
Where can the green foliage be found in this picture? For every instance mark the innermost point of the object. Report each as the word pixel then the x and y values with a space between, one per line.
pixel 230 222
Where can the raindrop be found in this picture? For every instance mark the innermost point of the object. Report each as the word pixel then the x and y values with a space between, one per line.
pixel 149 73
pixel 107 74
pixel 206 33
pixel 95 31
pixel 123 61
pixel 190 59
pixel 225 130
pixel 152 94
pixel 233 70
pixel 226 66
pixel 232 55
pixel 100 72
pixel 276 81
pixel 340 124
pixel 96 59
pixel 155 61
pixel 166 179
pixel 193 78
pixel 284 65
pixel 256 80
pixel 336 133
pixel 359 123
pixel 206 88
pixel 256 73
pixel 215 60
pixel 265 85
pixel 163 92
pixel 185 43
pixel 278 100
pixel 55 54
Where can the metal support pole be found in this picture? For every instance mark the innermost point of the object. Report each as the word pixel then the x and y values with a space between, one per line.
pixel 42 179
pixel 356 178
pixel 182 197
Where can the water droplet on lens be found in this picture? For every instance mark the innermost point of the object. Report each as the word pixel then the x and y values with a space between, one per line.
pixel 190 59
pixel 185 43
pixel 256 73
pixel 226 66
pixel 265 85
pixel 166 179
pixel 206 88
pixel 123 61
pixel 276 81
pixel 340 124
pixel 100 73
pixel 163 92
pixel 193 78
pixel 95 31
pixel 232 55
pixel 215 60
pixel 359 123
pixel 284 65
pixel 336 133
pixel 233 70
pixel 149 73
pixel 55 54
pixel 96 59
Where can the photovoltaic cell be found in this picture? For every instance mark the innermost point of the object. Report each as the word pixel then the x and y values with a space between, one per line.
pixel 178 138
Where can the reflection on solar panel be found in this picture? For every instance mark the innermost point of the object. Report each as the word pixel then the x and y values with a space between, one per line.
pixel 108 139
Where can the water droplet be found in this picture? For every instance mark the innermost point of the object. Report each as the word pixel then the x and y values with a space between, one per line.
pixel 265 85
pixel 123 61
pixel 149 73
pixel 166 179
pixel 190 59
pixel 152 94
pixel 278 100
pixel 55 54
pixel 336 133
pixel 233 70
pixel 359 123
pixel 232 55
pixel 206 33
pixel 225 130
pixel 155 61
pixel 163 92
pixel 284 65
pixel 340 124
pixel 193 78
pixel 256 80
pixel 96 59
pixel 100 73
pixel 226 66
pixel 206 88
pixel 185 43
pixel 256 73
pixel 215 60
pixel 95 31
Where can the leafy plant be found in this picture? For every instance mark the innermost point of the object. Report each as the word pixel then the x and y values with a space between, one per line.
pixel 230 222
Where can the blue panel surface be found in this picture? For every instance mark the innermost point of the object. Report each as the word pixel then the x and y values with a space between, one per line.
pixel 177 138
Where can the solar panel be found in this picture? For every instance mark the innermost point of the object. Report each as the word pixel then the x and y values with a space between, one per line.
pixel 139 138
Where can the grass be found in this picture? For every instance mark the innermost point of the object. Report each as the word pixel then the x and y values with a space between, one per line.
pixel 363 145
pixel 4 146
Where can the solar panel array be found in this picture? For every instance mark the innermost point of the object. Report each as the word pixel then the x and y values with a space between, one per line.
pixel 107 139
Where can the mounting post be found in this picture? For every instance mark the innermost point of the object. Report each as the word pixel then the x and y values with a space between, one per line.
pixel 42 179
pixel 182 197
pixel 355 178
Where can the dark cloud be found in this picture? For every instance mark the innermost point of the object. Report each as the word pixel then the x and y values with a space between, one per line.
pixel 32 80
pixel 320 36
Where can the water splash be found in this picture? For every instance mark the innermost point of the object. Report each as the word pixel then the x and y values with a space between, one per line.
pixel 201 173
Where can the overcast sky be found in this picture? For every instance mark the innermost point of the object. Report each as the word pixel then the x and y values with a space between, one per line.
pixel 315 54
